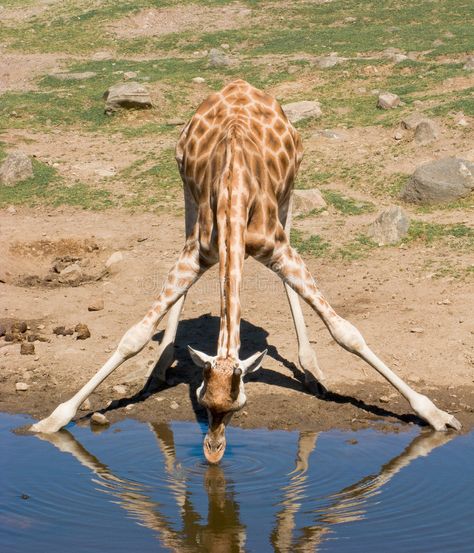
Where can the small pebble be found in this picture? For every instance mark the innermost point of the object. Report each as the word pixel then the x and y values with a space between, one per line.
pixel 174 405
pixel 99 418
pixel 86 406
pixel 120 389
pixel 129 407
pixel 63 331
pixel 27 348
pixel 19 327
pixel 82 331
pixel 384 399
pixel 417 329
pixel 96 305
pixel 21 386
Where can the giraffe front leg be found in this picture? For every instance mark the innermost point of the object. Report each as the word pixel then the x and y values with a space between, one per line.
pixel 313 375
pixel 290 267
pixel 185 272
pixel 165 354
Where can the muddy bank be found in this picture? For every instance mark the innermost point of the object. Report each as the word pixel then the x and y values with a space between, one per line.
pixel 271 404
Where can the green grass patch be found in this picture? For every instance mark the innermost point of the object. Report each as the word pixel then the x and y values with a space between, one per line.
pixel 346 205
pixel 313 245
pixel 152 187
pixel 457 235
pixel 358 248
pixel 47 187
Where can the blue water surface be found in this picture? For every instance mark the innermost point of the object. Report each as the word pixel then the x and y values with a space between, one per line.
pixel 143 487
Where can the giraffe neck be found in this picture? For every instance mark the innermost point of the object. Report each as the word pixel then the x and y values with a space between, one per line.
pixel 232 209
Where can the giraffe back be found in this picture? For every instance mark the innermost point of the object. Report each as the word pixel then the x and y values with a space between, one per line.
pixel 268 151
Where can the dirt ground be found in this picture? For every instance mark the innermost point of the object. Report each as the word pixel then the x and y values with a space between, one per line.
pixel 412 301
pixel 422 327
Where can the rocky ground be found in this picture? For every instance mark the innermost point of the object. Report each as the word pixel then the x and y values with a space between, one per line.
pixel 91 213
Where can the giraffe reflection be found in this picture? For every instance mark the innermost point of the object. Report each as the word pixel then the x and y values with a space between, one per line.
pixel 223 531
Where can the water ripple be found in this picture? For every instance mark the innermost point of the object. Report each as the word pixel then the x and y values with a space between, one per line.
pixel 147 488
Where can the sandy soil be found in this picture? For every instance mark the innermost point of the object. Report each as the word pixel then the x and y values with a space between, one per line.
pixel 422 327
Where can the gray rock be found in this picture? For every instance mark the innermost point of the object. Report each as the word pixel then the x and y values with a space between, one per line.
pixel 296 111
pixel 218 58
pixel 445 180
pixel 398 58
pixel 469 65
pixel 390 226
pixel 459 119
pixel 305 201
pixel 325 62
pixel 74 76
pixel 105 172
pixel 398 134
pixel 387 100
pixel 71 275
pixel 130 95
pixel 394 54
pixel 21 386
pixel 198 80
pixel 412 120
pixel 16 168
pixel 332 135
pixel 100 419
pixel 130 75
pixel 175 121
pixel 426 132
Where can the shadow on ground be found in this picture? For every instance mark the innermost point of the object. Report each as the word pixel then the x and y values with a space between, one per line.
pixel 201 333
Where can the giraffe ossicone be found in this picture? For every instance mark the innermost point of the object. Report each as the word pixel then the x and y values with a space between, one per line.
pixel 238 157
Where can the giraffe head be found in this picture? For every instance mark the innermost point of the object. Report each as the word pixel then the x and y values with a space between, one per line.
pixel 222 394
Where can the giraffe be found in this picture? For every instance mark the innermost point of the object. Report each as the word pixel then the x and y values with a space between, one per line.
pixel 238 157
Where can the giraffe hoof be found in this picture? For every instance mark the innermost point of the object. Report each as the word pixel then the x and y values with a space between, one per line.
pixel 61 416
pixel 438 419
pixel 314 386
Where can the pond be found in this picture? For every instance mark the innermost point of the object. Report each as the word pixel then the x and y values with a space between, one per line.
pixel 143 487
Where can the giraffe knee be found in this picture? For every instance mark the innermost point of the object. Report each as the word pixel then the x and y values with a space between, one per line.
pixel 347 335
pixel 135 339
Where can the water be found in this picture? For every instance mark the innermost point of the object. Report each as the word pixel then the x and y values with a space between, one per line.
pixel 142 487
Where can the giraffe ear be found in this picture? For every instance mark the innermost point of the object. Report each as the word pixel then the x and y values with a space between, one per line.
pixel 252 363
pixel 200 358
